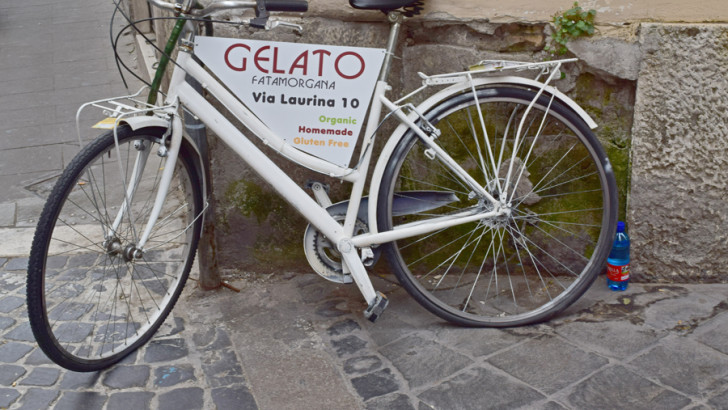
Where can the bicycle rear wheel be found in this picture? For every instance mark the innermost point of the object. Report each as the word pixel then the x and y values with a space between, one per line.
pixel 91 301
pixel 519 268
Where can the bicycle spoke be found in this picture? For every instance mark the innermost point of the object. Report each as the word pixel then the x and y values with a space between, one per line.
pixel 533 259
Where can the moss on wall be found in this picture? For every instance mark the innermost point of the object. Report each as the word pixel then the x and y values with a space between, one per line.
pixel 611 103
pixel 278 243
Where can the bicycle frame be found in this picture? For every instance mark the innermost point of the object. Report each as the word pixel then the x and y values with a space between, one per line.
pixel 181 92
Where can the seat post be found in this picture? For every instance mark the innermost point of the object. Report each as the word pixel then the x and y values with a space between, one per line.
pixel 395 20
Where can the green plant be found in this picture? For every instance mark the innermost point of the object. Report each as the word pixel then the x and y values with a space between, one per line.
pixel 573 23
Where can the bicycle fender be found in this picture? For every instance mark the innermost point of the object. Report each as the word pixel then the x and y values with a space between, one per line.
pixel 143 121
pixel 440 96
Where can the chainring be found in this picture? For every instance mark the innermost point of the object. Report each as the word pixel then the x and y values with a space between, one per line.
pixel 323 256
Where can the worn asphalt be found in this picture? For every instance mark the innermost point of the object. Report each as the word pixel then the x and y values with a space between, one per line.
pixel 292 340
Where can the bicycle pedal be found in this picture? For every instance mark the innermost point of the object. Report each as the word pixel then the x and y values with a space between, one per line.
pixel 375 310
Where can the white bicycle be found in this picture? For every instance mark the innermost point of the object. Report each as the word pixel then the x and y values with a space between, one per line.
pixel 493 201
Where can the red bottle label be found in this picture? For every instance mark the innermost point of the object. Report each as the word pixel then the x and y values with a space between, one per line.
pixel 617 273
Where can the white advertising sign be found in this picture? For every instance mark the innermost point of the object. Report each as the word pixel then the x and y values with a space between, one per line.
pixel 314 96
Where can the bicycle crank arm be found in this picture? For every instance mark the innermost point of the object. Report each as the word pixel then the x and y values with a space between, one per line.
pixel 376 301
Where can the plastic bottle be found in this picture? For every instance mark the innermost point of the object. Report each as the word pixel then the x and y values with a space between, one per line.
pixel 618 261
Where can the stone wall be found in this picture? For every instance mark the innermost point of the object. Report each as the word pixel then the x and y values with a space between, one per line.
pixel 257 231
pixel 678 207
pixel 655 89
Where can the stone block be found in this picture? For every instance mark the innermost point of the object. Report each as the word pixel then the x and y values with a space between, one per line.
pixel 233 397
pixel 41 376
pixel 617 387
pixel 694 369
pixel 124 377
pixel 81 400
pixel 130 400
pixel 413 357
pixel 468 390
pixel 188 398
pixel 38 399
pixel 8 397
pixel 10 373
pixel 678 155
pixel 167 376
pixel 375 384
pixel 165 350
pixel 540 363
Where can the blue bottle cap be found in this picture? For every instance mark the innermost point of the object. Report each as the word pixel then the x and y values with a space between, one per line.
pixel 620 226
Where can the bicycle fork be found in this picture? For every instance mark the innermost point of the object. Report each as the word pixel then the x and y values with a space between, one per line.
pixel 137 250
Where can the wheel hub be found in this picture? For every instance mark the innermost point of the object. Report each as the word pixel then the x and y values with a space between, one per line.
pixel 115 248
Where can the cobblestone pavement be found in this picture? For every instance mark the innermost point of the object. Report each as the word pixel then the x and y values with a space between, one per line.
pixel 295 341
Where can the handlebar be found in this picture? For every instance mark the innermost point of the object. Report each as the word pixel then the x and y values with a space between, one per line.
pixel 270 5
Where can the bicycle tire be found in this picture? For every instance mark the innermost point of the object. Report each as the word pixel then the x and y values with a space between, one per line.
pixel 517 269
pixel 90 301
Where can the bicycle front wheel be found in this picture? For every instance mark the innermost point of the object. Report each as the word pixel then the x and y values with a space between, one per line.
pixel 544 165
pixel 93 297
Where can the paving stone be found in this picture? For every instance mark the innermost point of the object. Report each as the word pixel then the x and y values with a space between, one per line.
pixel 12 281
pixel 187 398
pixel 22 333
pixel 37 357
pixel 482 389
pixel 552 405
pixel 170 327
pixel 56 261
pixel 362 365
pixel 671 313
pixel 715 333
pixel 423 361
pixel 375 384
pixel 390 402
pixel 11 352
pixel 83 259
pixel 38 399
pixel 618 339
pixel 124 377
pixel 17 264
pixel 542 363
pixel 10 373
pixel 693 369
pixel 73 332
pixel 167 376
pixel 720 402
pixel 130 400
pixel 348 345
pixel 222 368
pixel 389 327
pixel 6 322
pixel 235 397
pixel 2 261
pixel 10 303
pixel 8 397
pixel 342 328
pixel 618 387
pixel 81 401
pixel 165 350
pixel 476 342
pixel 78 381
pixel 332 308
pixel 130 358
pixel 41 376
